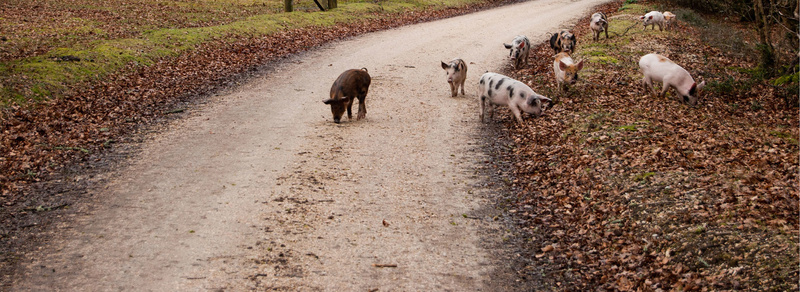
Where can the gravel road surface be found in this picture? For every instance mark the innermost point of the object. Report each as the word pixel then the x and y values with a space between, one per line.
pixel 259 189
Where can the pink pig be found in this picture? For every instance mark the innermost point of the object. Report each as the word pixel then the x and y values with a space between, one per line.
pixel 656 67
pixel 653 18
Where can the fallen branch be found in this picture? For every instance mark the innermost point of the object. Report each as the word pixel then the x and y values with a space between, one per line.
pixel 384 265
pixel 175 111
pixel 626 30
pixel 84 150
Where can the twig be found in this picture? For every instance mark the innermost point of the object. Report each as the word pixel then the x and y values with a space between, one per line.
pixel 626 30
pixel 42 208
pixel 175 111
pixel 84 150
pixel 595 85
pixel 384 265
pixel 784 27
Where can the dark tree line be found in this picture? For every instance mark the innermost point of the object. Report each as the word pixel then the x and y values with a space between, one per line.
pixel 774 21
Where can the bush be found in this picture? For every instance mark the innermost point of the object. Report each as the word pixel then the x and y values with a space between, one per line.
pixel 715 6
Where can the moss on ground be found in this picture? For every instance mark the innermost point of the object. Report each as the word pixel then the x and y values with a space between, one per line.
pixel 52 74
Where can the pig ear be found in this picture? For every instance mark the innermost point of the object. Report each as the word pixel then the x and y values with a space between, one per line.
pixel 521 45
pixel 701 85
pixel 641 17
pixel 545 99
pixel 562 66
pixel 444 66
pixel 651 17
pixel 507 45
pixel 580 65
pixel 327 101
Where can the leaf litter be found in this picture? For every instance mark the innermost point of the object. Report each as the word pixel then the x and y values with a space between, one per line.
pixel 50 150
pixel 622 191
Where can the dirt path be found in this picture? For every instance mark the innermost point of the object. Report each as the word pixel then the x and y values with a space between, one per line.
pixel 260 189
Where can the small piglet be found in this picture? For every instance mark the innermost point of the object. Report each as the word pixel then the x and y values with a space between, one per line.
pixel 563 41
pixel 566 70
pixel 656 67
pixel 502 90
pixel 519 48
pixel 653 18
pixel 351 84
pixel 456 75
pixel 598 24
pixel 669 19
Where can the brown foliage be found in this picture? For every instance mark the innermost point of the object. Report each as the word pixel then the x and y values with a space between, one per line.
pixel 42 138
pixel 620 191
pixel 40 142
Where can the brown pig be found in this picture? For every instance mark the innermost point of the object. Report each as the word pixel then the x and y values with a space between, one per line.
pixel 351 84
pixel 563 41
pixel 566 70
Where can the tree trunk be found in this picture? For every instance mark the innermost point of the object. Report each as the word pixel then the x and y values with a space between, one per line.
pixel 287 5
pixel 767 62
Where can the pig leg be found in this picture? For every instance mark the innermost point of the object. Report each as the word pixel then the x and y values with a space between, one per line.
pixel 453 89
pixel 606 30
pixel 462 86
pixel 664 89
pixel 648 86
pixel 482 99
pixel 362 107
pixel 517 114
pixel 349 109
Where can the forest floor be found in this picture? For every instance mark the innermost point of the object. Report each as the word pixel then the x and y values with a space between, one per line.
pixel 611 188
pixel 624 191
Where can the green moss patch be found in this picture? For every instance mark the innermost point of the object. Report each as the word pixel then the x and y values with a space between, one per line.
pixel 52 74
